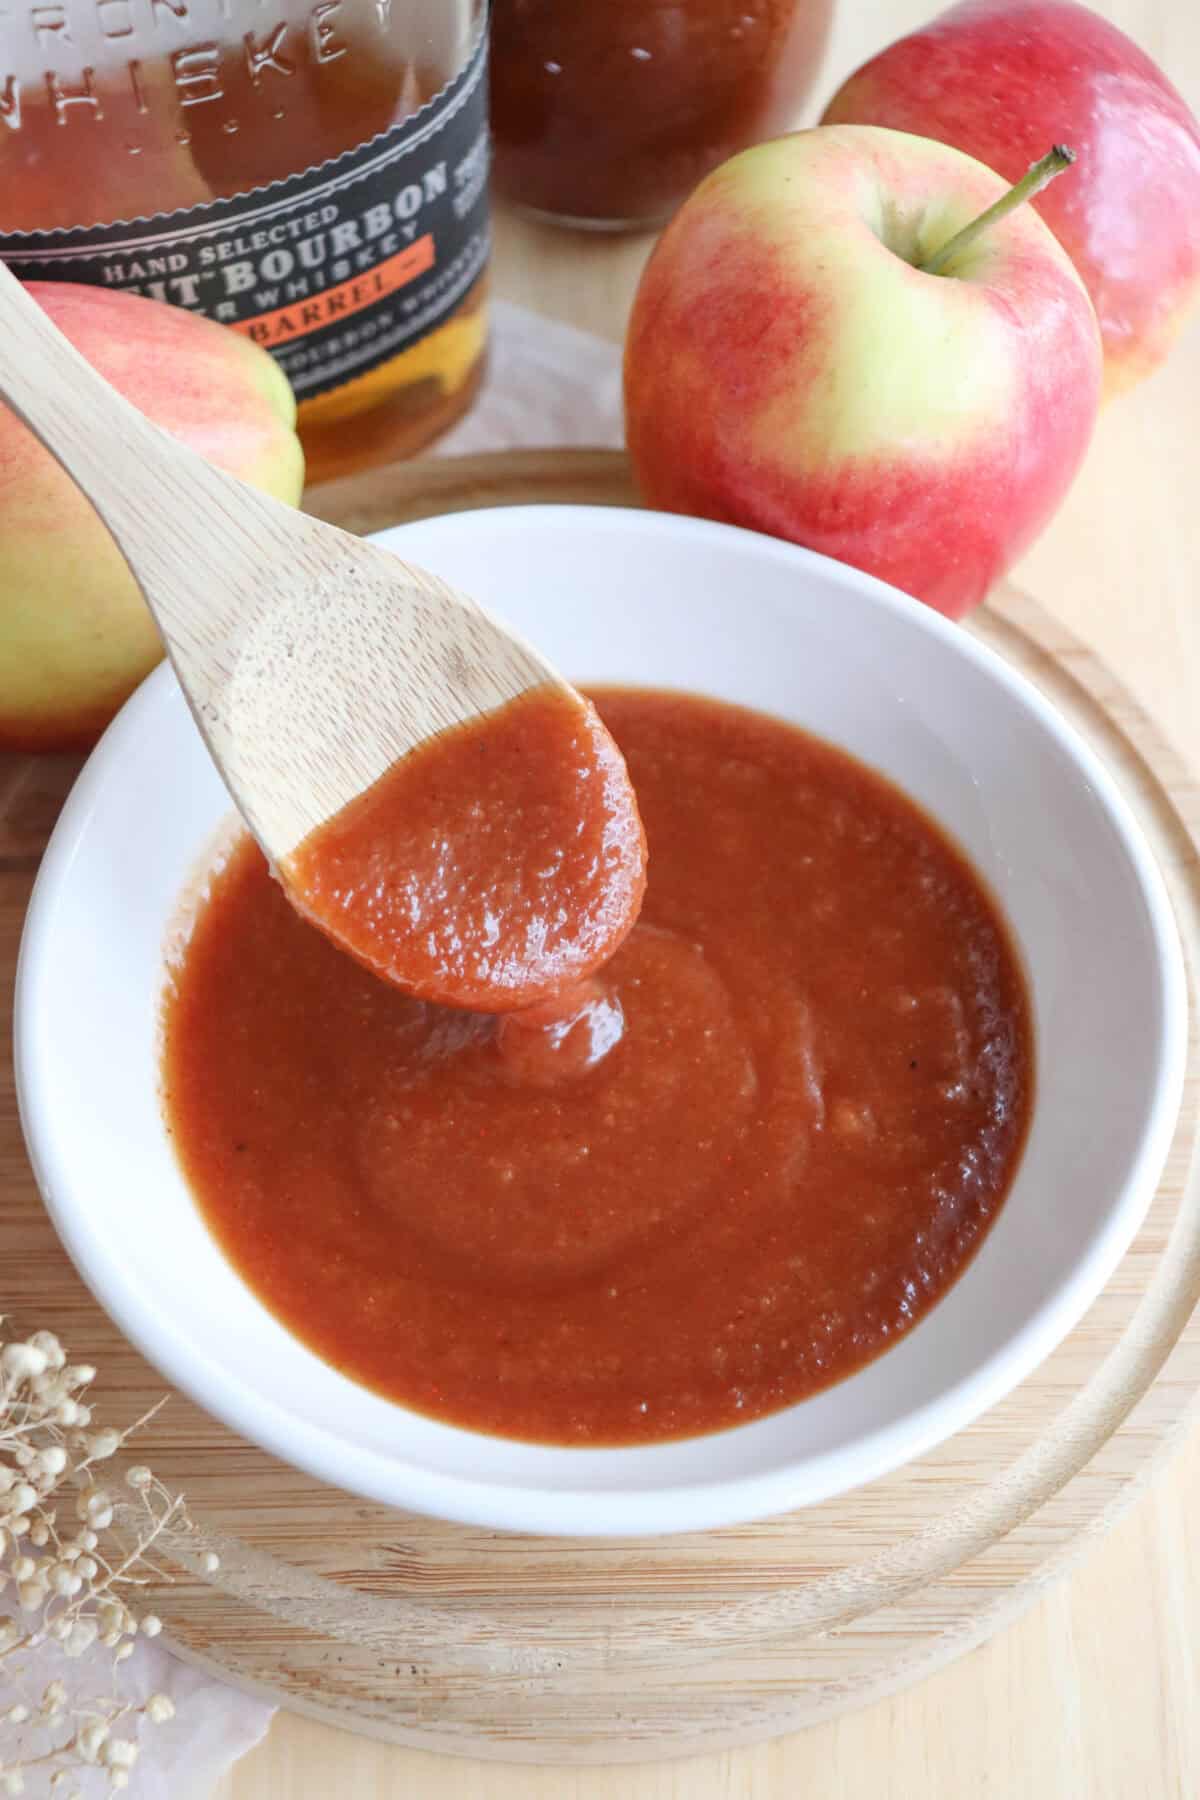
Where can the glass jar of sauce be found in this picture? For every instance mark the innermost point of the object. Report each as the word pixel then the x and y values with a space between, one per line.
pixel 606 113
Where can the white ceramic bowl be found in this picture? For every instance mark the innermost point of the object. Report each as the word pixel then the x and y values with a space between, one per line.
pixel 635 597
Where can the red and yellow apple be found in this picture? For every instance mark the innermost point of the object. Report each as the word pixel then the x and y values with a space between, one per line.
pixel 75 635
pixel 791 367
pixel 1001 79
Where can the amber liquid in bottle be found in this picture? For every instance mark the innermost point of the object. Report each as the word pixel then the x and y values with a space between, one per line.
pixel 365 280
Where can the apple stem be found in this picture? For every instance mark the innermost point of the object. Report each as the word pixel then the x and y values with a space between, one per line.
pixel 1039 175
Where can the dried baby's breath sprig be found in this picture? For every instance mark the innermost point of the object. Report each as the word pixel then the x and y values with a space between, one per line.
pixel 74 1549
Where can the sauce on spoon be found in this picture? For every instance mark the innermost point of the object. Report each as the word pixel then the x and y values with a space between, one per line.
pixel 495 866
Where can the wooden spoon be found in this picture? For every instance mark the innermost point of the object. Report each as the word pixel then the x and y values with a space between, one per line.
pixel 312 662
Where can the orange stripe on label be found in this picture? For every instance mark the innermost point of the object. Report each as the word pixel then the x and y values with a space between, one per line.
pixel 343 301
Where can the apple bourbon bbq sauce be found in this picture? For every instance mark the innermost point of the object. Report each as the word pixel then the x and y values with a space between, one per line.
pixel 755 1147
pixel 312 173
pixel 605 115
pixel 495 867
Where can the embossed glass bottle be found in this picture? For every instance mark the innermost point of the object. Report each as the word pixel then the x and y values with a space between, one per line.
pixel 311 172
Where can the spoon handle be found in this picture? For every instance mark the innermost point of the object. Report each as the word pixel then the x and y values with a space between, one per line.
pixel 161 501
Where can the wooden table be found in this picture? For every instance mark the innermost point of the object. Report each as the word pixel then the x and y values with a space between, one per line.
pixel 1093 1695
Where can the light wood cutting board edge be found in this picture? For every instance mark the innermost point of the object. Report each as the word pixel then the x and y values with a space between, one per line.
pixel 905 1610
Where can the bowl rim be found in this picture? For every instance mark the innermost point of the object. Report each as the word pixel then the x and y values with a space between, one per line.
pixel 599 1511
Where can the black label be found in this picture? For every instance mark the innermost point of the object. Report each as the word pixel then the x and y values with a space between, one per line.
pixel 335 270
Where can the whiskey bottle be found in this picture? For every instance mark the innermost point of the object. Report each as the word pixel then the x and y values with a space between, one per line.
pixel 312 173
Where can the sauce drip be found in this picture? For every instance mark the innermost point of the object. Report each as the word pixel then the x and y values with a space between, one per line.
pixel 740 1163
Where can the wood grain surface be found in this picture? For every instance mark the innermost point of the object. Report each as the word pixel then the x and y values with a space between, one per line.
pixel 532 1650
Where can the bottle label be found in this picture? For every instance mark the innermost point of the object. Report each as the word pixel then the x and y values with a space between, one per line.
pixel 335 270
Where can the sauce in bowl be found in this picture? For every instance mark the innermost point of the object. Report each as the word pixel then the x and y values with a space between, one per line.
pixel 726 1170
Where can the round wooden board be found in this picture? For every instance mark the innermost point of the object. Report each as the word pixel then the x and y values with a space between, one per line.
pixel 568 1651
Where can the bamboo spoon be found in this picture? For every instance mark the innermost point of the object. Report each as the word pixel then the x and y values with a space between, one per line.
pixel 311 661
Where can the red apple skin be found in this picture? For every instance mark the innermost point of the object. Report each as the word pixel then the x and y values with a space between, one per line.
pixel 746 404
pixel 1005 79
pixel 75 635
